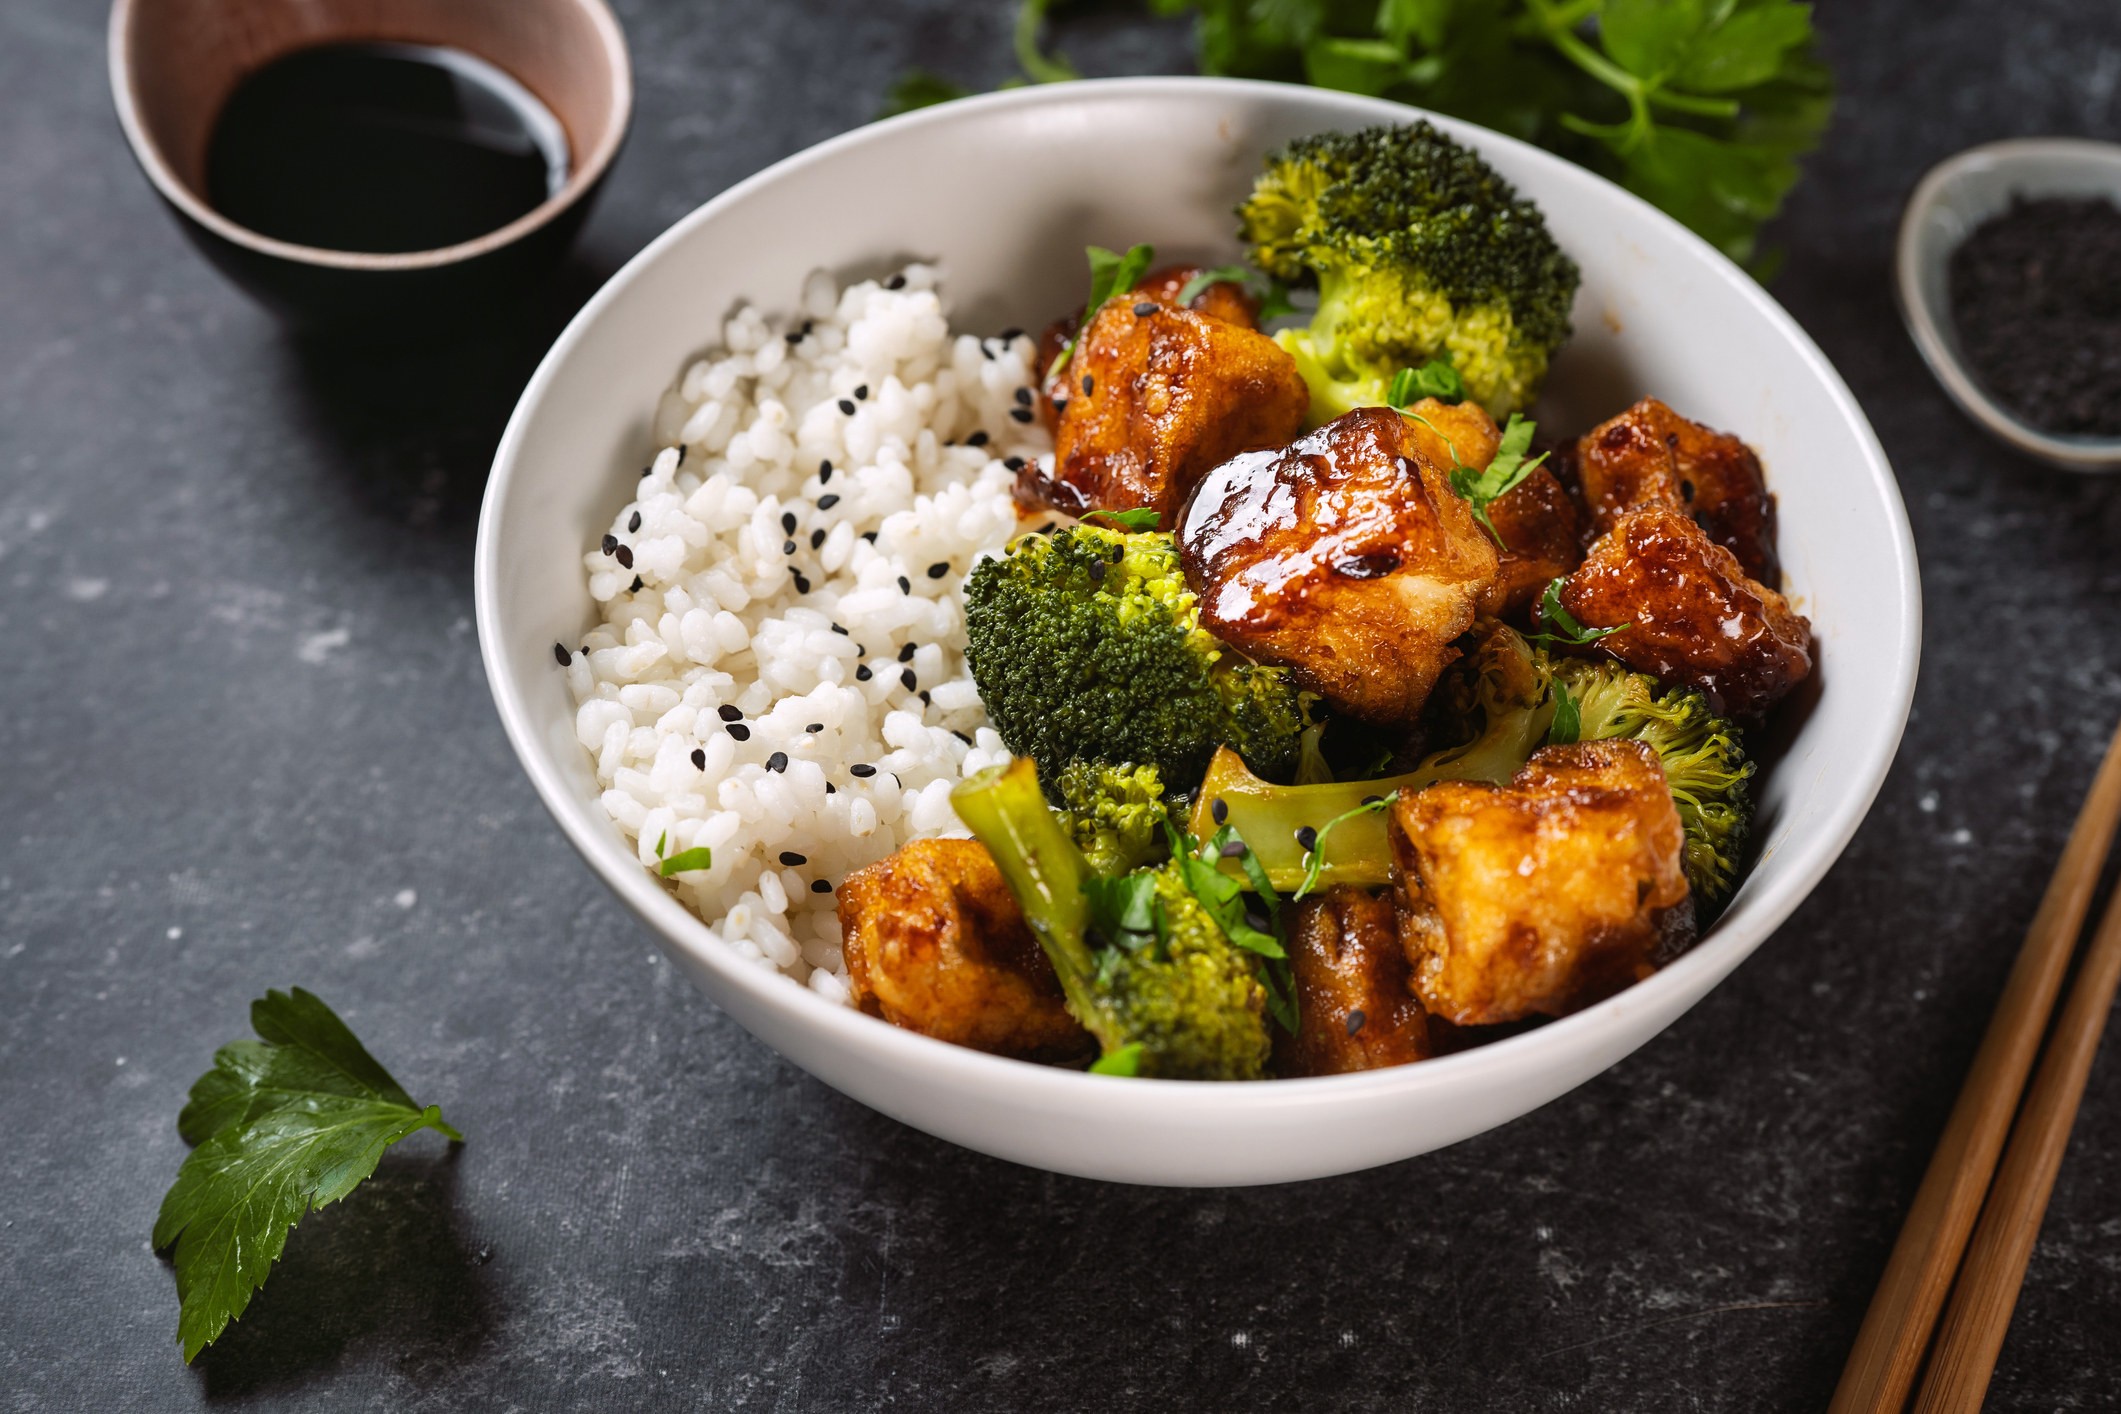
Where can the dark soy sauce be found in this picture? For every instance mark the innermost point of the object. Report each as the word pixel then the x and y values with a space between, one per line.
pixel 382 148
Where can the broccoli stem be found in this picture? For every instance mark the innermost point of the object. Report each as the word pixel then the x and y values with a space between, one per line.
pixel 1267 817
pixel 1006 811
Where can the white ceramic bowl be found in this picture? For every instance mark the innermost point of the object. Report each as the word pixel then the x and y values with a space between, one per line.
pixel 1006 190
pixel 1953 198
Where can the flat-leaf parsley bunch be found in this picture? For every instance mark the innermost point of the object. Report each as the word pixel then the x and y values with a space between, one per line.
pixel 1701 107
pixel 285 1123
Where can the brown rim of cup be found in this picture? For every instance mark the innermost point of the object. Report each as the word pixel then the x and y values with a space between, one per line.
pixel 590 157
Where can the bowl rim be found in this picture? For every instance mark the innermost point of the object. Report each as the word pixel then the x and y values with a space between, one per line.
pixel 1601 1025
pixel 582 180
pixel 1926 324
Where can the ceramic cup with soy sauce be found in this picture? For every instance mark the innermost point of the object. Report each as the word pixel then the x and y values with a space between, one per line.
pixel 374 165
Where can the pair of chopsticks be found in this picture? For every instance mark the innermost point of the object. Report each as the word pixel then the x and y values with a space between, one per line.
pixel 1957 1188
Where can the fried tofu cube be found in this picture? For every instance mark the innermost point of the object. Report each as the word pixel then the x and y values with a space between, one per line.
pixel 935 943
pixel 1651 456
pixel 1544 895
pixel 1693 615
pixel 1226 300
pixel 1357 1009
pixel 1157 399
pixel 1346 557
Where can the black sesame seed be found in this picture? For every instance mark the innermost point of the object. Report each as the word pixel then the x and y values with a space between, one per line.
pixel 777 762
pixel 977 439
pixel 827 501
pixel 961 736
pixel 729 713
pixel 870 536
pixel 802 583
pixel 610 543
pixel 699 759
pixel 793 860
pixel 1097 571
pixel 559 652
pixel 862 673
pixel 1307 838
pixel 794 336
pixel 824 471
pixel 862 392
pixel 986 352
pixel 830 789
pixel 938 569
pixel 847 406
pixel 817 537
pixel 647 471
pixel 624 555
pixel 819 886
pixel 1013 463
pixel 1012 332
pixel 1060 405
pixel 907 678
pixel 788 522
pixel 635 587
pixel 1023 395
pixel 862 769
pixel 905 654
pixel 787 547
pixel 740 731
pixel 1089 385
pixel 896 282
pixel 1020 414
pixel 924 697
pixel 634 523
pixel 1047 528
pixel 1220 809
pixel 815 727
pixel 583 650
pixel 1355 1021
pixel 861 650
pixel 1146 308
pixel 840 629
pixel 1235 849
pixel 681 454
pixel 905 585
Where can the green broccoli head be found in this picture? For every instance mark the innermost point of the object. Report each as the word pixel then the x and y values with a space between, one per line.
pixel 1159 982
pixel 1086 645
pixel 1703 754
pixel 1115 814
pixel 1420 251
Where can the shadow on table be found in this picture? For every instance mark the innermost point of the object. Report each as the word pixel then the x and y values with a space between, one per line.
pixel 388 1265
pixel 416 422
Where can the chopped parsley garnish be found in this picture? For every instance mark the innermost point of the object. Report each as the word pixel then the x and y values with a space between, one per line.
pixel 1567 629
pixel 1110 274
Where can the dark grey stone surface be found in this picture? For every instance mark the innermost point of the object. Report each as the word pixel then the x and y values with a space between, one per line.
pixel 246 743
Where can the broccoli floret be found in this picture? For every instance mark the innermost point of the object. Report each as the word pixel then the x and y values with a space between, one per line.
pixel 1172 998
pixel 1086 645
pixel 1703 754
pixel 1115 814
pixel 1420 251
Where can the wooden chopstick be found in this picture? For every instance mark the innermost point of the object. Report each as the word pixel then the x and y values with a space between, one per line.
pixel 1896 1330
pixel 1987 1289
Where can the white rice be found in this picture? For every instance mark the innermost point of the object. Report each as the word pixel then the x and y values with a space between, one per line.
pixel 720 621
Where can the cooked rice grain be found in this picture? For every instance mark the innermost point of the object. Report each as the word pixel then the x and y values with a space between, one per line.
pixel 752 555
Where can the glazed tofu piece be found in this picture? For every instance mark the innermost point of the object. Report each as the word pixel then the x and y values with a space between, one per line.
pixel 1694 616
pixel 1544 895
pixel 1345 556
pixel 1225 300
pixel 1156 397
pixel 935 943
pixel 1357 1008
pixel 1651 456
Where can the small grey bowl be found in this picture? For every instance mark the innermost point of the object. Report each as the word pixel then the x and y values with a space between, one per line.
pixel 1957 195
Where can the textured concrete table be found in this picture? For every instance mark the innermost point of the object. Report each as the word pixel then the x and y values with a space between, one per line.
pixel 246 743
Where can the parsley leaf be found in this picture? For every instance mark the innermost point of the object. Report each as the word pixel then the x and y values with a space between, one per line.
pixel 283 1124
pixel 1272 294
pixel 698 857
pixel 1315 855
pixel 1567 629
pixel 1110 274
pixel 1127 1060
pixel 1508 469
pixel 1140 518
pixel 1125 911
pixel 1434 379
pixel 1567 725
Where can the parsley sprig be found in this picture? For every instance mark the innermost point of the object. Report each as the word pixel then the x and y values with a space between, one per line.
pixel 1110 274
pixel 1272 294
pixel 1701 107
pixel 1140 518
pixel 283 1124
pixel 1504 474
pixel 1566 629
pixel 1434 379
